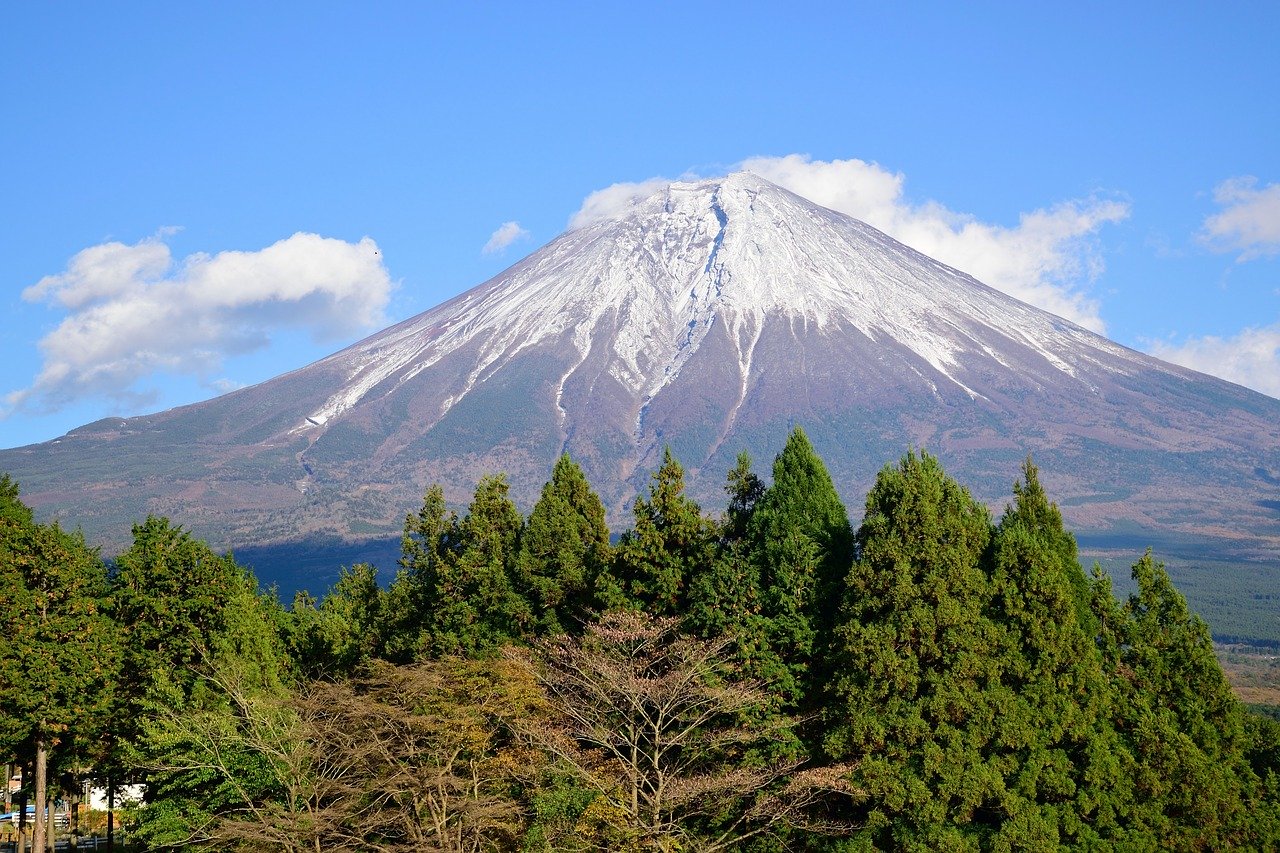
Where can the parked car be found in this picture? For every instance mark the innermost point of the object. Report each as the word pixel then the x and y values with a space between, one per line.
pixel 61 820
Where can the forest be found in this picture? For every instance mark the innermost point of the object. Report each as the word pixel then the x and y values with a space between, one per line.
pixel 769 679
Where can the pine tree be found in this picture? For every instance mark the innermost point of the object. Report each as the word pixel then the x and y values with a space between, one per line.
pixel 914 658
pixel 564 548
pixel 670 542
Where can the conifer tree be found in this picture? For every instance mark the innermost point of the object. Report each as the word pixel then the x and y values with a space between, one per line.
pixel 657 557
pixel 726 602
pixel 913 658
pixel 1061 759
pixel 428 557
pixel 341 633
pixel 564 548
pixel 802 544
pixel 217 738
pixel 169 598
pixel 725 596
pixel 471 601
pixel 1191 781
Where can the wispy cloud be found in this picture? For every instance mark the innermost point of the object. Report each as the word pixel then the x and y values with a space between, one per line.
pixel 614 200
pixel 507 233
pixel 1249 222
pixel 1251 358
pixel 1048 259
pixel 134 311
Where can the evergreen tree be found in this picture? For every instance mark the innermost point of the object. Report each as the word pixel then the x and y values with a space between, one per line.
pixel 724 598
pixel 1061 760
pixel 1033 511
pixel 803 545
pixel 428 557
pixel 914 658
pixel 58 653
pixel 472 604
pixel 656 559
pixel 341 633
pixel 564 548
pixel 169 599
pixel 218 738
pixel 1191 780
pixel 745 490
pixel 726 602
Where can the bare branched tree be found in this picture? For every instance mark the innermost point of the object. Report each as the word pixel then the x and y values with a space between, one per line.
pixel 658 722
pixel 412 758
pixel 422 757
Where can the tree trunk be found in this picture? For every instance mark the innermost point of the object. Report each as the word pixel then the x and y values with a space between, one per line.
pixel 22 812
pixel 42 793
pixel 111 815
pixel 73 822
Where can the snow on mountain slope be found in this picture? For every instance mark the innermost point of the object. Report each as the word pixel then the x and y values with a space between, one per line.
pixel 732 251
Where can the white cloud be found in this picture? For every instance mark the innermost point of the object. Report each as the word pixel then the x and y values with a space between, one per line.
pixel 507 233
pixel 1250 219
pixel 614 200
pixel 134 311
pixel 1045 260
pixel 1048 259
pixel 1251 358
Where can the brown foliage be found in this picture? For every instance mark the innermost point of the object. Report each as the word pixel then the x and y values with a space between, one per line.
pixel 657 721
pixel 422 758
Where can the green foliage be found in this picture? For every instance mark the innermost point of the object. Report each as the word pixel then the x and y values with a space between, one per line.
pixel 429 551
pixel 219 739
pixel 58 653
pixel 966 686
pixel 656 559
pixel 1033 512
pixel 1061 759
pixel 915 658
pixel 169 596
pixel 471 601
pixel 1192 783
pixel 339 635
pixel 803 544
pixel 724 597
pixel 564 549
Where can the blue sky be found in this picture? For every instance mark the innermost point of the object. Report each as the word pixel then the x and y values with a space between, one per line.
pixel 200 196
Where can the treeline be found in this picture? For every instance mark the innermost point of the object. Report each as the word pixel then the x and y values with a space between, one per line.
pixel 768 679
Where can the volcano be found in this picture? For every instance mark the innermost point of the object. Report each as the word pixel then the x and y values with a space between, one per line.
pixel 710 317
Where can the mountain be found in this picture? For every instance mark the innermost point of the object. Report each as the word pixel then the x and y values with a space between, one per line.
pixel 711 317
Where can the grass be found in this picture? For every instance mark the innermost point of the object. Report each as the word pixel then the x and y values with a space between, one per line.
pixel 1254 672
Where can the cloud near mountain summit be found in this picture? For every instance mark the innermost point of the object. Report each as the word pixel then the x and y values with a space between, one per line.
pixel 133 310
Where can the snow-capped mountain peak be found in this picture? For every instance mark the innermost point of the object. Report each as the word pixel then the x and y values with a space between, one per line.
pixel 731 251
